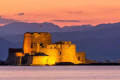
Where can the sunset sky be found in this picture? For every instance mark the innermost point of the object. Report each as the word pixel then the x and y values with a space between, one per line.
pixel 60 12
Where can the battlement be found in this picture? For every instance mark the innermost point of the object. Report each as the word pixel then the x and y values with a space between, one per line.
pixel 38 44
pixel 19 54
pixel 40 34
pixel 81 57
pixel 64 42
pixel 37 32
pixel 14 50
pixel 52 46
pixel 31 40
pixel 60 46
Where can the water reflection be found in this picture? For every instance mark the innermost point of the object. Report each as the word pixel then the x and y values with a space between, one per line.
pixel 59 73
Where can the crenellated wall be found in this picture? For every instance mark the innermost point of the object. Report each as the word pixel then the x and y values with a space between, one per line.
pixel 39 50
pixel 60 53
pixel 38 60
pixel 27 43
pixel 14 56
pixel 81 57
pixel 52 51
pixel 68 53
pixel 32 39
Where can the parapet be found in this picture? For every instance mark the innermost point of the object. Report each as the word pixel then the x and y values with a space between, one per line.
pixel 67 42
pixel 19 54
pixel 27 34
pixel 37 34
pixel 68 46
pixel 52 46
pixel 80 52
pixel 64 42
pixel 14 50
pixel 39 50
pixel 81 56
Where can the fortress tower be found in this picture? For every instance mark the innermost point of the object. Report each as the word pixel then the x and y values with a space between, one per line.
pixel 27 43
pixel 68 53
pixel 39 50
pixel 32 39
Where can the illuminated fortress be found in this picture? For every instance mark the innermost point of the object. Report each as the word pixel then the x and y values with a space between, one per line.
pixel 39 50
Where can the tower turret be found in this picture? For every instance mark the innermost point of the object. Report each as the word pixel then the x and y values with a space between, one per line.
pixel 27 43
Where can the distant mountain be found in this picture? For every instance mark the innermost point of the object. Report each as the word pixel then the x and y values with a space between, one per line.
pixel 4 46
pixel 2 34
pixel 84 28
pixel 105 26
pixel 22 27
pixel 100 33
pixel 76 28
pixel 100 48
pixel 15 38
pixel 99 42
pixel 49 27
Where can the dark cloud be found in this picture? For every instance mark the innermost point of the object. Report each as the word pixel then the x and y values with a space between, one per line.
pixel 21 14
pixel 66 20
pixel 5 20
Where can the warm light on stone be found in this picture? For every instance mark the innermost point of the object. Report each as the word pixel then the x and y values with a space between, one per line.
pixel 39 50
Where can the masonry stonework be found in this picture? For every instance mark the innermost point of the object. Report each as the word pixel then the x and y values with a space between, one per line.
pixel 39 50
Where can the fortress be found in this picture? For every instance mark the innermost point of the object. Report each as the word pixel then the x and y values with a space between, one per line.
pixel 39 50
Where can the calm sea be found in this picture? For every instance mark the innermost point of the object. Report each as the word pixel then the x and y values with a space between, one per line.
pixel 59 72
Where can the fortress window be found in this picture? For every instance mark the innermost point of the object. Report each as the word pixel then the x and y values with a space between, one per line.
pixel 60 52
pixel 41 44
pixel 78 57
pixel 31 45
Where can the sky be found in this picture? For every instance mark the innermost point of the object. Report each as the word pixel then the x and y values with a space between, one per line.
pixel 60 12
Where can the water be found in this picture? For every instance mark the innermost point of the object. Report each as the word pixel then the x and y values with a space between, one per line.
pixel 59 73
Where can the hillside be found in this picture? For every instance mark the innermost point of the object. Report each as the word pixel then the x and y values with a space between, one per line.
pixel 5 45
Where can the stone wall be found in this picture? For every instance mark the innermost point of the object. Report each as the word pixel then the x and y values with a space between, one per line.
pixel 81 57
pixel 40 43
pixel 32 39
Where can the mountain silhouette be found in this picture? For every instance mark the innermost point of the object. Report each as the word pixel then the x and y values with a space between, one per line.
pixel 76 28
pixel 99 42
pixel 5 45
pixel 22 27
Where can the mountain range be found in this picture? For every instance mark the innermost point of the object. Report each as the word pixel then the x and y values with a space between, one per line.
pixel 100 42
